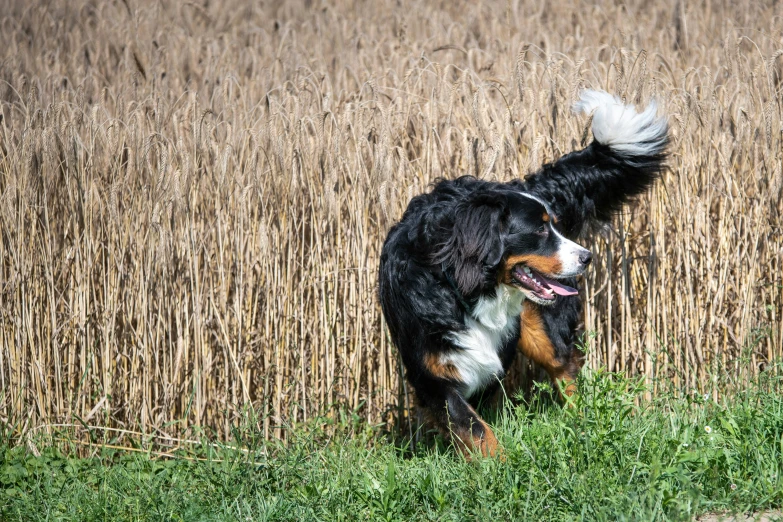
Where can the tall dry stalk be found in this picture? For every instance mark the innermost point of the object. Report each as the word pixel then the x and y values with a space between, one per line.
pixel 193 196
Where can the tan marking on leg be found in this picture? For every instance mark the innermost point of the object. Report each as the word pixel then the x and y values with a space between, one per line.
pixel 462 436
pixel 534 342
pixel 566 384
pixel 566 378
pixel 487 444
pixel 441 370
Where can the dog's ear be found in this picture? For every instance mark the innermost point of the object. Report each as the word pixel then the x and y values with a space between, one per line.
pixel 475 244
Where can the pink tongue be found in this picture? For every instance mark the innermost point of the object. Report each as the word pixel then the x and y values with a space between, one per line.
pixel 558 288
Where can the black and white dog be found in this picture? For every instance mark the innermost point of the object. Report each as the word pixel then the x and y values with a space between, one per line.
pixel 476 270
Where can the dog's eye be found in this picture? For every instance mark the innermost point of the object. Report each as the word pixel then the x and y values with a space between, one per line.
pixel 543 230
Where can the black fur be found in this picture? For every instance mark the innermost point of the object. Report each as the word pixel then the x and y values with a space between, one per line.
pixel 587 187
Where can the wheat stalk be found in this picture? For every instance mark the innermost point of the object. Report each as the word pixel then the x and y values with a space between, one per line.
pixel 191 219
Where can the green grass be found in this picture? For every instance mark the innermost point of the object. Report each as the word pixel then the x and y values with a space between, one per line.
pixel 613 456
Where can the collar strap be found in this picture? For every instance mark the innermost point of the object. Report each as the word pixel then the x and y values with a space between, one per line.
pixel 453 285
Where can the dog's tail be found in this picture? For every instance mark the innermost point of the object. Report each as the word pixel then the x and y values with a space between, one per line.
pixel 639 138
pixel 587 187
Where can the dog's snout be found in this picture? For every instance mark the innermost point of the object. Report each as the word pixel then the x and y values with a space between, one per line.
pixel 586 258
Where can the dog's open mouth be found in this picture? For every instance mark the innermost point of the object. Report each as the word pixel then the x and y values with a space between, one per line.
pixel 541 289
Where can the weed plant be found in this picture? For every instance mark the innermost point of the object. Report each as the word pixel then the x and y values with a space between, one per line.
pixel 610 455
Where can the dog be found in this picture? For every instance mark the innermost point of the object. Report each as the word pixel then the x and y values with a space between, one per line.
pixel 476 271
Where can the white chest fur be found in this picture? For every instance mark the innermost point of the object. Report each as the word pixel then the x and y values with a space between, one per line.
pixel 489 327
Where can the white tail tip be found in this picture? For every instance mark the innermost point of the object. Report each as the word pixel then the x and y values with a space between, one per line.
pixel 620 127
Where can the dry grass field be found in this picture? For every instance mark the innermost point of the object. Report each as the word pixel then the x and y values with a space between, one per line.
pixel 193 195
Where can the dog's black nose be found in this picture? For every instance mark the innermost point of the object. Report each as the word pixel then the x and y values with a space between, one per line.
pixel 586 258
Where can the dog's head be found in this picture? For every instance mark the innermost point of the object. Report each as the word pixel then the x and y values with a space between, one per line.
pixel 506 236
